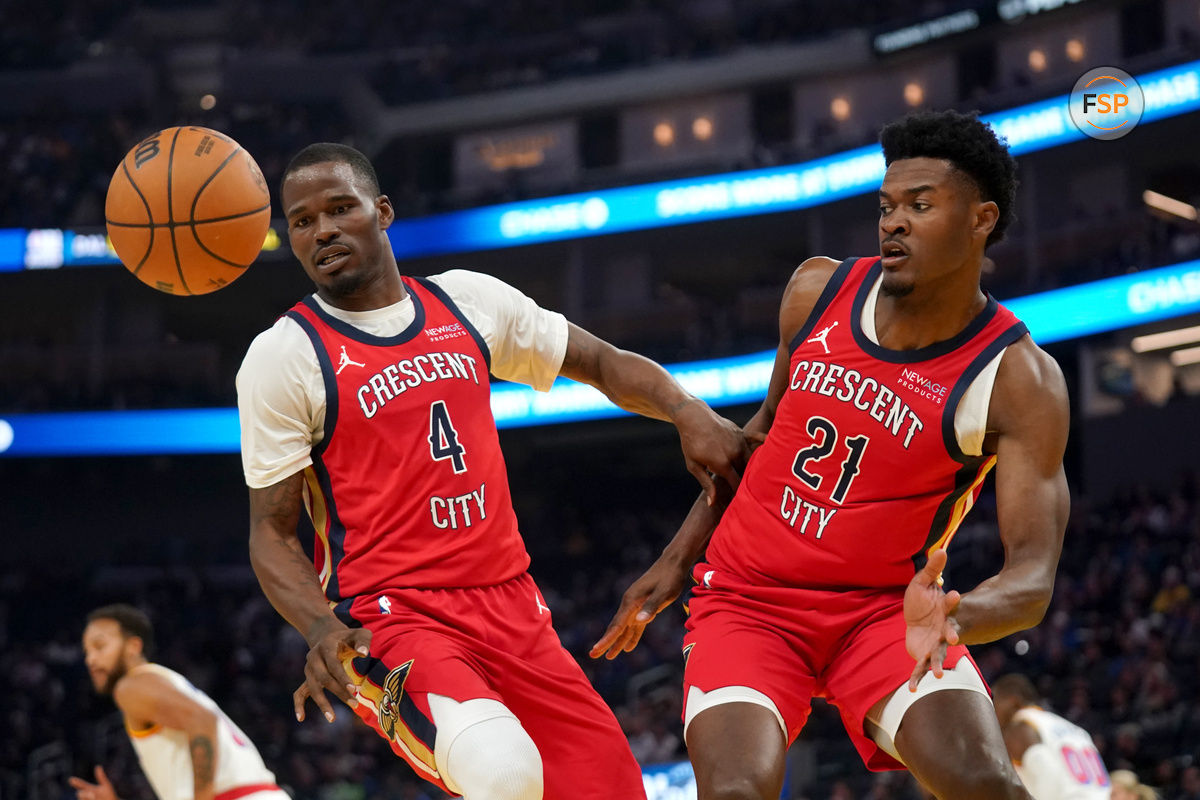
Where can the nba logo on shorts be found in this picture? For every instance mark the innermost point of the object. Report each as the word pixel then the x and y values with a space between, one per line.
pixel 1106 103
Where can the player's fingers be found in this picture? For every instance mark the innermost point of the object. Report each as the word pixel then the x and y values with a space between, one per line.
pixel 78 784
pixel 621 641
pixel 298 698
pixel 323 704
pixel 317 678
pixel 335 678
pixel 628 641
pixel 606 641
pixel 939 660
pixel 950 602
pixel 356 645
pixel 101 777
pixel 934 566
pixel 730 474
pixel 918 672
pixel 635 638
pixel 704 479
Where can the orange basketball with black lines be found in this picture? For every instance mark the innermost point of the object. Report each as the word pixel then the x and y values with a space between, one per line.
pixel 187 210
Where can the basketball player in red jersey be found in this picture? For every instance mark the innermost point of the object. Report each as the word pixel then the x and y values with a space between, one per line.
pixel 368 404
pixel 897 386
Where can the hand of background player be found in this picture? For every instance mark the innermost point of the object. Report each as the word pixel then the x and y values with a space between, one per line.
pixel 643 600
pixel 323 669
pixel 711 444
pixel 929 617
pixel 102 789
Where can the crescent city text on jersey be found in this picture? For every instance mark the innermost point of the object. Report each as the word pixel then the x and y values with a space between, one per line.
pixel 408 373
pixel 865 393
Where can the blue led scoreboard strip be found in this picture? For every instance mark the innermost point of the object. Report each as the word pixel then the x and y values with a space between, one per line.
pixel 1029 128
pixel 1052 316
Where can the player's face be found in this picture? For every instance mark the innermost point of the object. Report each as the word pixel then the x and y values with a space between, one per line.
pixel 932 223
pixel 336 228
pixel 105 651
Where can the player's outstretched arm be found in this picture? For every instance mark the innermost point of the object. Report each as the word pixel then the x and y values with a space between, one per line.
pixel 102 789
pixel 288 580
pixel 1028 421
pixel 146 699
pixel 666 578
pixel 711 444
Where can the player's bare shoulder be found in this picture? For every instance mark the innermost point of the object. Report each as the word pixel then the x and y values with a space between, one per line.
pixel 803 290
pixel 1030 394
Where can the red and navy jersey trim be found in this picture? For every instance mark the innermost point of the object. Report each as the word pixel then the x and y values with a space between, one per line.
pixel 934 350
pixel 827 294
pixel 353 333
pixel 337 530
pixel 985 356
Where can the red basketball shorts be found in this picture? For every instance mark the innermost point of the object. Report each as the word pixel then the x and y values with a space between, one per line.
pixel 492 642
pixel 793 644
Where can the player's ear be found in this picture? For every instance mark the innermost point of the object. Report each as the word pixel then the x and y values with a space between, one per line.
pixel 987 214
pixel 387 214
pixel 134 646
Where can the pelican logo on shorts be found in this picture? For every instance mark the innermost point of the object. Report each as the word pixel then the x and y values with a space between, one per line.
pixel 389 704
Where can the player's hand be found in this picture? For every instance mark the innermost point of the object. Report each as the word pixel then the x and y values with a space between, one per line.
pixel 102 789
pixel 324 668
pixel 712 445
pixel 929 617
pixel 643 600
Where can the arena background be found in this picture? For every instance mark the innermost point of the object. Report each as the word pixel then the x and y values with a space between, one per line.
pixel 468 106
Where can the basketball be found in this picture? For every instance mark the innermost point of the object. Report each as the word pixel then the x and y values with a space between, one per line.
pixel 187 210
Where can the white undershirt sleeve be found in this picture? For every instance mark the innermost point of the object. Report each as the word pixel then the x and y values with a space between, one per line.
pixel 527 343
pixel 281 404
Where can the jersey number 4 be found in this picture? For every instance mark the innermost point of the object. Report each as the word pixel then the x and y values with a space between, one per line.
pixel 825 438
pixel 443 438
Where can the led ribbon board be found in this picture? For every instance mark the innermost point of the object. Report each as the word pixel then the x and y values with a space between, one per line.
pixel 1051 316
pixel 1168 92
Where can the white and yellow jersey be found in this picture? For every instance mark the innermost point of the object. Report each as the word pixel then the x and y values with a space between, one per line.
pixel 1065 764
pixel 167 762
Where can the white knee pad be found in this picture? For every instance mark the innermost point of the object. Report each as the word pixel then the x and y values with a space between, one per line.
pixel 483 752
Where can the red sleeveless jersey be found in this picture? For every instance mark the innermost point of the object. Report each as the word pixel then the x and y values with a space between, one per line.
pixel 408 487
pixel 861 475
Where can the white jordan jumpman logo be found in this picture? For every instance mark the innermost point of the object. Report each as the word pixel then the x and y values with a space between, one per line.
pixel 821 336
pixel 346 361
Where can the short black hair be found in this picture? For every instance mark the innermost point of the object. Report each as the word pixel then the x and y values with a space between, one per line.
pixel 970 145
pixel 132 621
pixel 1016 685
pixel 326 152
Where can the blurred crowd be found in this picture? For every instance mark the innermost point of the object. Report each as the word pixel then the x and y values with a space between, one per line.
pixel 468 45
pixel 1118 653
pixel 58 160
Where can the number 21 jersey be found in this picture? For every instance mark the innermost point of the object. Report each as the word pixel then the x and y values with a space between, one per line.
pixel 408 487
pixel 861 475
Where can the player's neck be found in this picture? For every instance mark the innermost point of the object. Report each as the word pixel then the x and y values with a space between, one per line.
pixel 928 314
pixel 384 290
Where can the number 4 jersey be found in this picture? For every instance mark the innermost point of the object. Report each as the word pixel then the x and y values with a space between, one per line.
pixel 864 470
pixel 407 487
